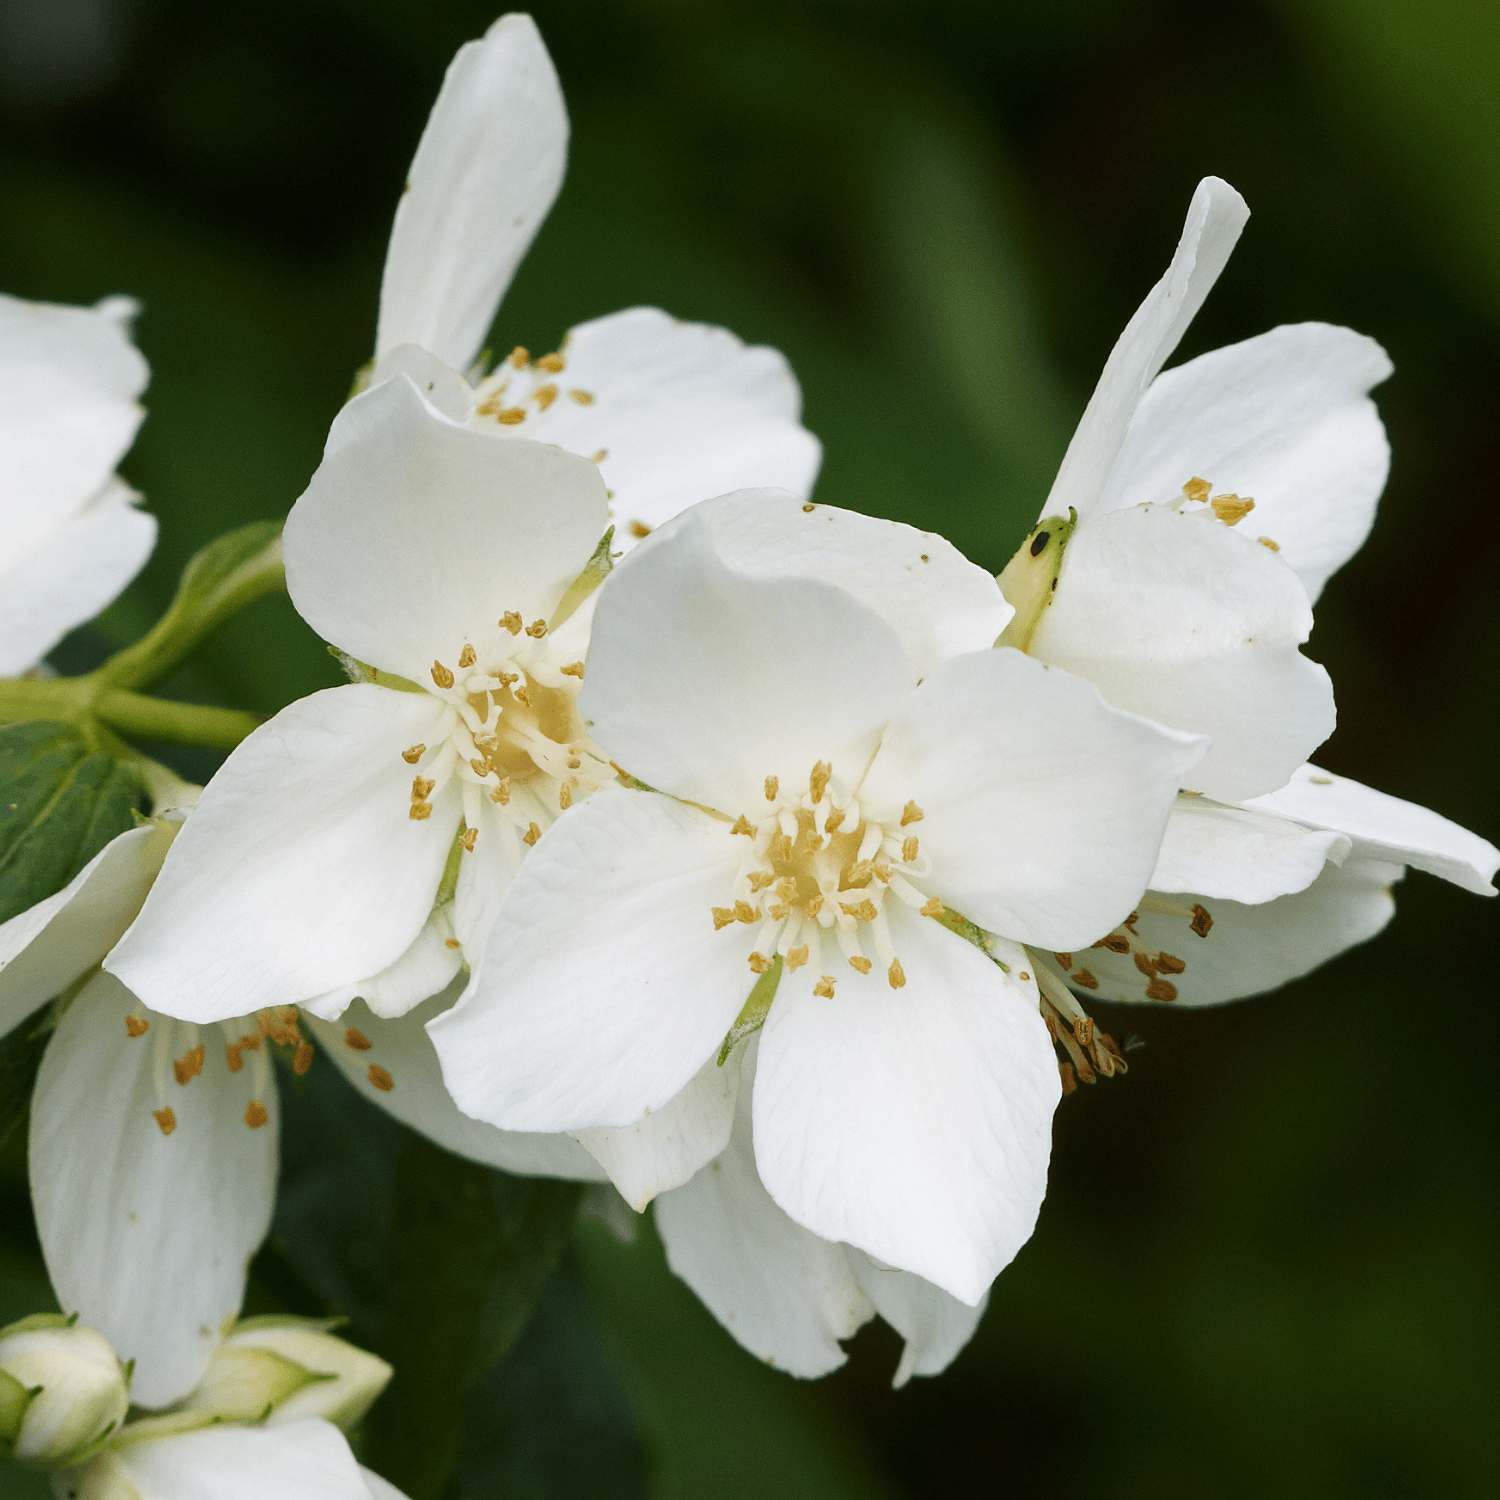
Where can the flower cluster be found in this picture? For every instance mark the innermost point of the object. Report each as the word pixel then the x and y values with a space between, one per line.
pixel 674 830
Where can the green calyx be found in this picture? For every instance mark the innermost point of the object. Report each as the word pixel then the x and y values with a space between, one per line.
pixel 1030 577
pixel 753 1016
pixel 595 571
pixel 15 1400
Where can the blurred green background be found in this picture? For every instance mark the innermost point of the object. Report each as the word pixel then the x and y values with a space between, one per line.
pixel 1268 1259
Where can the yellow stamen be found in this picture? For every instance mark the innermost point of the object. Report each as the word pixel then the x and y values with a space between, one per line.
pixel 532 834
pixel 511 621
pixel 896 974
pixel 414 754
pixel 381 1079
pixel 467 657
pixel 137 1025
pixel 166 1119
pixel 911 813
pixel 862 964
pixel 255 1114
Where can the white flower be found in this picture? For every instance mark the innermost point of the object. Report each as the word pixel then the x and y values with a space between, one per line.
pixel 670 411
pixel 827 785
pixel 62 1391
pixel 70 534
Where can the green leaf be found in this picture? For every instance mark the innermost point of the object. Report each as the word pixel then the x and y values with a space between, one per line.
pixel 59 806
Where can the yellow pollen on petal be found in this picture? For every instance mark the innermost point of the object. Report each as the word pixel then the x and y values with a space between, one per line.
pixel 583 398
pixel 441 675
pixel 1202 922
pixel 1196 489
pixel 863 965
pixel 1086 979
pixel 744 912
pixel 381 1079
pixel 537 629
pixel 545 395
pixel 723 917
pixel 510 415
pixel 1266 541
pixel 574 763
pixel 468 838
pixel 452 943
pixel 598 458
pixel 520 356
pixel 932 908
pixel 467 657
pixel 358 1040
pixel 551 363
pixel 189 1066
pixel 824 987
pixel 565 796
pixel 773 786
pixel 797 956
pixel 511 621
pixel 137 1025
pixel 255 1114
pixel 413 754
pixel 817 782
pixel 911 813
pixel 909 848
pixel 1160 989
pixel 896 974
pixel 743 825
pixel 234 1056
pixel 1064 960
pixel 302 1059
pixel 759 963
pixel 532 834
pixel 166 1119
pixel 1231 509
pixel 420 812
pixel 573 669
pixel 251 1042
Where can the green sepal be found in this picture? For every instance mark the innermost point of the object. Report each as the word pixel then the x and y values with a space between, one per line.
pixel 168 1424
pixel 970 932
pixel 359 671
pixel 15 1400
pixel 595 571
pixel 753 1014
pixel 1030 577
pixel 60 804
pixel 244 1384
pixel 38 1323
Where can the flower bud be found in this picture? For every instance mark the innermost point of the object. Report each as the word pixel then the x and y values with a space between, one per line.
pixel 285 1368
pixel 62 1391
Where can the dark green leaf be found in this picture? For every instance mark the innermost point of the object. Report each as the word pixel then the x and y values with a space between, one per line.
pixel 20 1056
pixel 59 806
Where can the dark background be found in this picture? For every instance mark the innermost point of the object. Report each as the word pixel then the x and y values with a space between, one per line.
pixel 1268 1258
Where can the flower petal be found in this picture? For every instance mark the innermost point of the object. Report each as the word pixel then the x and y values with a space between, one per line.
pixel 1179 619
pixel 393 1064
pixel 147 1233
pixel 937 601
pixel 1386 828
pixel 45 948
pixel 1215 218
pixel 380 1489
pixel 1285 418
pixel 1042 807
pixel 679 411
pixel 487 169
pixel 69 378
pixel 912 1123
pixel 663 1150
pixel 81 567
pixel 1252 949
pixel 703 681
pixel 784 1294
pixel 301 869
pixel 604 986
pixel 934 1325
pixel 426 968
pixel 1239 853
pixel 417 533
pixel 304 1460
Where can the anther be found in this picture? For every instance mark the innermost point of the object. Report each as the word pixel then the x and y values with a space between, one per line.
pixel 545 395
pixel 420 811
pixel 813 905
pixel 744 912
pixel 520 356
pixel 479 767
pixel 510 415
pixel 760 879
pixel 1146 965
pixel 468 656
pixel 381 1079
pixel 1266 541
pixel 743 825
pixel 565 796
pixel 723 917
pixel 1115 942
pixel 421 786
pixel 933 908
pixel 412 755
pixel 896 974
pixel 911 813
pixel 441 675
pixel 835 820
pixel 234 1056
pixel 573 669
pixel 1086 979
pixel 452 943
pixel 537 629
pixel 817 782
pixel 759 963
pixel 189 1066
pixel 1160 989
pixel 780 847
pixel 468 838
pixel 166 1119
pixel 1231 509
pixel 1069 1078
pixel 797 956
pixel 1196 489
pixel 1169 963
pixel 1202 922
pixel 824 987
pixel 511 621
pixel 501 793
pixel 551 363
pixel 1065 960
pixel 302 1059
pixel 773 786
pixel 637 528
pixel 521 696
pixel 137 1025
pixel 864 912
pixel 583 398
pixel 909 848
pixel 863 965
pixel 357 1040
pixel 532 834
pixel 255 1114
pixel 1083 1030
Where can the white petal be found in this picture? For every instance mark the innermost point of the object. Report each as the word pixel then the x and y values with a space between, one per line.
pixel 440 386
pixel 1252 949
pixel 1285 418
pixel 147 1235
pixel 784 1294
pixel 913 1123
pixel 665 1148
pixel 426 968
pixel 487 168
pixel 417 533
pixel 934 1325
pixel 1239 853
pixel 604 986
pixel 402 1051
pixel 380 1489
pixel 1180 619
pixel 45 948
pixel 484 876
pixel 306 1460
pixel 301 869
pixel 703 681
pixel 1215 218
pixel 681 411
pixel 1042 806
pixel 81 567
pixel 69 377
pixel 937 601
pixel 1387 828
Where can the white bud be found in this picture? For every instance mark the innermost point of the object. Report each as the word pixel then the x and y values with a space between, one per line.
pixel 62 1391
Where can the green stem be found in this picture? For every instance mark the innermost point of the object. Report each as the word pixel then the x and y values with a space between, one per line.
pixel 174 723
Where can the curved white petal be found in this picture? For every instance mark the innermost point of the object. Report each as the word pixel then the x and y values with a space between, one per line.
pixel 417 533
pixel 664 1149
pixel 784 1294
pixel 1252 949
pixel 1386 828
pixel 1042 807
pixel 934 1325
pixel 1182 620
pixel 1285 418
pixel 1215 218
pixel 45 948
pixel 605 985
pixel 147 1234
pixel 703 681
pixel 301 869
pixel 399 1054
pixel 1240 853
pixel 914 1123
pixel 69 378
pixel 426 968
pixel 937 601
pixel 679 411
pixel 484 875
pixel 304 1460
pixel 487 169
pixel 77 570
pixel 439 385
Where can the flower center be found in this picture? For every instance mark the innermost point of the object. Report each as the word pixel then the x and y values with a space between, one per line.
pixel 817 867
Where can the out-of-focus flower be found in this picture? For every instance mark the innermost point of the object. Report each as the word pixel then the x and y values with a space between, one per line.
pixel 62 1391
pixel 71 536
pixel 820 802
